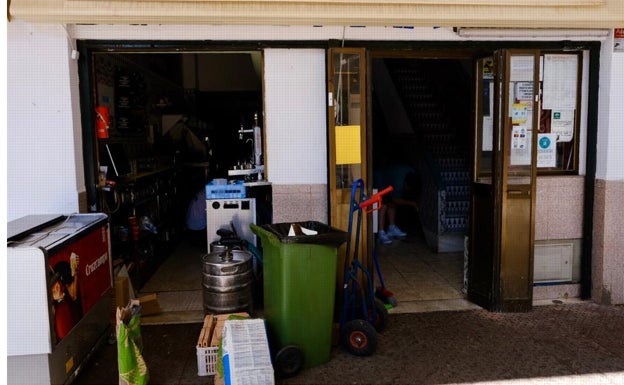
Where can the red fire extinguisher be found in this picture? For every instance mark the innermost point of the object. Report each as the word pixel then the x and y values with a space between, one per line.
pixel 102 122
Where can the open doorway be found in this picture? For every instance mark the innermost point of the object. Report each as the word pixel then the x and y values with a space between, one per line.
pixel 166 123
pixel 421 118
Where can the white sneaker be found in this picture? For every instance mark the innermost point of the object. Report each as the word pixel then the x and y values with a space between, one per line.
pixel 395 232
pixel 383 238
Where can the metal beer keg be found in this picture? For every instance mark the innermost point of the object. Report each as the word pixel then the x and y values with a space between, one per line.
pixel 227 281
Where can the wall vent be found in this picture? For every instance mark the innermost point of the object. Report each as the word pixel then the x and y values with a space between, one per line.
pixel 553 262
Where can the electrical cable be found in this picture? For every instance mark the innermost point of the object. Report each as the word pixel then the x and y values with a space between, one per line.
pixel 105 206
pixel 43 236
pixel 338 108
pixel 74 53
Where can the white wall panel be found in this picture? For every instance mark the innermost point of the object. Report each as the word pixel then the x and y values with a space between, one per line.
pixel 41 155
pixel 615 161
pixel 295 116
pixel 609 160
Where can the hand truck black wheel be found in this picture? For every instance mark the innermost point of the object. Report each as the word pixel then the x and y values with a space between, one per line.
pixel 359 337
pixel 381 319
pixel 288 361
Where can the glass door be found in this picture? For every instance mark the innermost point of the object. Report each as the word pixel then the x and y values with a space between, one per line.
pixel 503 211
pixel 347 138
pixel 483 238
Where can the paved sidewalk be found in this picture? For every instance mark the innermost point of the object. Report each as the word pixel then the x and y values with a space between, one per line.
pixel 558 344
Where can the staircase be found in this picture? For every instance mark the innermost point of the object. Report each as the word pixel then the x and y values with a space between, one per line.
pixel 429 95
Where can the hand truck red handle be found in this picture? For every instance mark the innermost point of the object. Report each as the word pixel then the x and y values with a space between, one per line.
pixel 375 198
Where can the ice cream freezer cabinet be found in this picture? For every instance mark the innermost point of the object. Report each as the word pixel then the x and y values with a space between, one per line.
pixel 58 295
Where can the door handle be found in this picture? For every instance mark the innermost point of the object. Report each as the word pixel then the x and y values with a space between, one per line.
pixel 518 193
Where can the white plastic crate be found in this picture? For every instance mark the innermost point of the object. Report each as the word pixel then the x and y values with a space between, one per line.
pixel 208 341
pixel 207 360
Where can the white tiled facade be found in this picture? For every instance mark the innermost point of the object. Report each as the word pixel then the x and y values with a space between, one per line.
pixel 44 157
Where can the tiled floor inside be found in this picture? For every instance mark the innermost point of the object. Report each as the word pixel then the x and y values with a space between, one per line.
pixel 419 279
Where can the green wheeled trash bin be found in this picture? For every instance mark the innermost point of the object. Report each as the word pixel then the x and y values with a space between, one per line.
pixel 299 289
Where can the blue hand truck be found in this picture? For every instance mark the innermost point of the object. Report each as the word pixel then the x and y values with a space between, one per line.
pixel 363 315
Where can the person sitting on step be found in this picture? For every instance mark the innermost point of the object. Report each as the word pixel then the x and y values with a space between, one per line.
pixel 404 181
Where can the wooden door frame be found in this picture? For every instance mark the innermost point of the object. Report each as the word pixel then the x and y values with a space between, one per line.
pixel 339 198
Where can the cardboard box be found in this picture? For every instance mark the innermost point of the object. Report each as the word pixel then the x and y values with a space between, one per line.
pixel 218 329
pixel 149 304
pixel 124 291
pixel 208 344
pixel 246 355
pixel 121 291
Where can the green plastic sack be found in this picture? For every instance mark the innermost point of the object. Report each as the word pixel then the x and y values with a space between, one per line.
pixel 132 367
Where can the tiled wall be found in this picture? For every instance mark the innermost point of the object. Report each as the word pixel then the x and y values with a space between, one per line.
pixel 559 216
pixel 298 203
pixel 608 243
pixel 559 207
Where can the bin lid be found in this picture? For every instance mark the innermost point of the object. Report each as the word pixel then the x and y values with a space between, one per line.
pixel 325 234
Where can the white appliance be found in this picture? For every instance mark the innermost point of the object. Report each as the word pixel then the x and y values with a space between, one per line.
pixel 228 213
pixel 58 295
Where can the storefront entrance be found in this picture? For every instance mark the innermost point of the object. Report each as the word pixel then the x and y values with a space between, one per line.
pixel 468 193
pixel 480 197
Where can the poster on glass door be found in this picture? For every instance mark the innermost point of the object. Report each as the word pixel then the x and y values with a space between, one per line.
pixel 546 150
pixel 520 146
pixel 562 124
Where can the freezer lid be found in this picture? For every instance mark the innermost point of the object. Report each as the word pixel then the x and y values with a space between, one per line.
pixel 29 224
pixel 52 233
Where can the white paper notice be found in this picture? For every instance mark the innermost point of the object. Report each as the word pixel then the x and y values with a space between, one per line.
pixel 488 134
pixel 521 69
pixel 488 121
pixel 520 146
pixel 546 150
pixel 562 124
pixel 524 91
pixel 560 78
